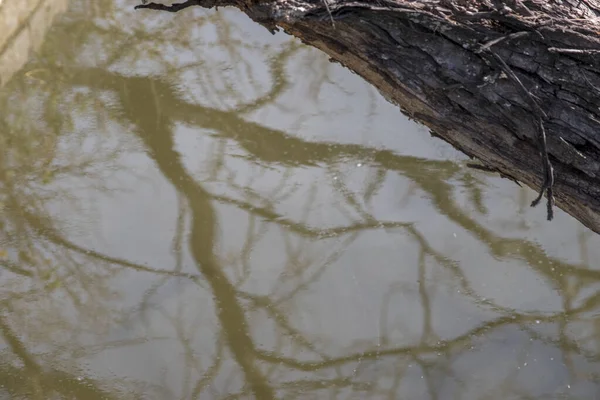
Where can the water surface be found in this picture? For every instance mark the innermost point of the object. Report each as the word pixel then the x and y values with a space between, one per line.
pixel 192 208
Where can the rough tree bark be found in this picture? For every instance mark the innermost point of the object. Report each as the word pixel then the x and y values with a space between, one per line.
pixel 513 83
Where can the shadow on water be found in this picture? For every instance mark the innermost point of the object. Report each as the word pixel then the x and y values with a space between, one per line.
pixel 186 211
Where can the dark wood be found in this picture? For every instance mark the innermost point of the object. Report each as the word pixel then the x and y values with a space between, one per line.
pixel 507 82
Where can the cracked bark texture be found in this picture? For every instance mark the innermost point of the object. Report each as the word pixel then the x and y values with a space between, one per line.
pixel 426 57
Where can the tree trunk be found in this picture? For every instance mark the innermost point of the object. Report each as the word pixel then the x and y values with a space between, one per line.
pixel 514 83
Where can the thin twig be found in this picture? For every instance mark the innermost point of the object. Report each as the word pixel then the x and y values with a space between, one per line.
pixel 513 77
pixel 493 42
pixel 326 2
pixel 589 52
pixel 548 171
pixel 548 182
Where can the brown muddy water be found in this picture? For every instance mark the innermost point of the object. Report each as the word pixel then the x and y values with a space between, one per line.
pixel 192 208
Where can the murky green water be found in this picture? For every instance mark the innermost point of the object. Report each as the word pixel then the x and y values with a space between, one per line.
pixel 191 208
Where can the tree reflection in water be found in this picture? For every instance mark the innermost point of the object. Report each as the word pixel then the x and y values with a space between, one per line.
pixel 111 87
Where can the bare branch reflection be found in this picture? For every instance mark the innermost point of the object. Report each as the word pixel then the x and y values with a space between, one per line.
pixel 285 272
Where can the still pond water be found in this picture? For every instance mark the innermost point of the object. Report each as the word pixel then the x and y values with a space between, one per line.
pixel 191 208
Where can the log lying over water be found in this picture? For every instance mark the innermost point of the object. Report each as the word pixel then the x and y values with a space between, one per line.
pixel 513 83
